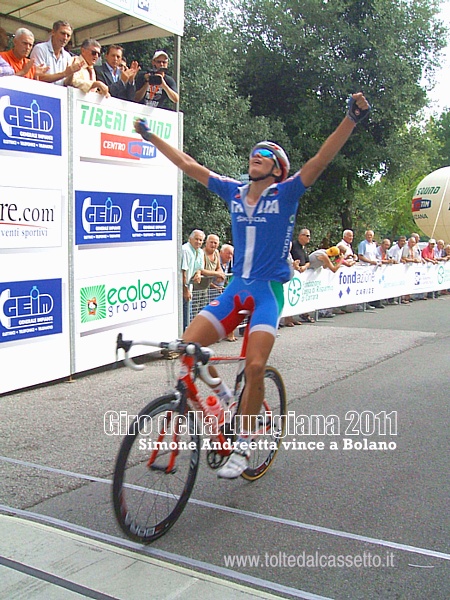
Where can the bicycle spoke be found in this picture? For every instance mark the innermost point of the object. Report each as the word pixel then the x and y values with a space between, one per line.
pixel 155 472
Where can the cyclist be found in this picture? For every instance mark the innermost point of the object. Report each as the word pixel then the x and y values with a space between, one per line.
pixel 262 217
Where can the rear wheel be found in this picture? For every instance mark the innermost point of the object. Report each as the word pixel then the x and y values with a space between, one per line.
pixel 155 470
pixel 270 426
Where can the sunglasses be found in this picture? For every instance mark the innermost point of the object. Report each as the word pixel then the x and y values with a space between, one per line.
pixel 95 52
pixel 265 153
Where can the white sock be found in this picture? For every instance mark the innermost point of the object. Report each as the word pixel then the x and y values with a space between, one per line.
pixel 223 392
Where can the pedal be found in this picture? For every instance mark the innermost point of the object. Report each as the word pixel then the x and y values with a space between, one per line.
pixel 163 469
pixel 214 459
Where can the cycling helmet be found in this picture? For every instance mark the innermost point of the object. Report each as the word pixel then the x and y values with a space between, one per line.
pixel 283 160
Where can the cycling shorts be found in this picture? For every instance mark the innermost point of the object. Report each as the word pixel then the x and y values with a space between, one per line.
pixel 265 299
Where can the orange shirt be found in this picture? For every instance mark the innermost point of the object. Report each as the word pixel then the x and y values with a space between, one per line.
pixel 18 64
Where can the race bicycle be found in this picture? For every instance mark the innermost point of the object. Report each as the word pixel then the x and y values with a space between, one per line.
pixel 158 460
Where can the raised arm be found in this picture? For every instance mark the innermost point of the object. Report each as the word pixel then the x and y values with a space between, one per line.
pixel 358 109
pixel 182 160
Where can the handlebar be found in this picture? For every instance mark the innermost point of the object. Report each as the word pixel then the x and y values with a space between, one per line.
pixel 202 354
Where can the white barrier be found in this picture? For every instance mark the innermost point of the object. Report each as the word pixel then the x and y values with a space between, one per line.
pixel 88 230
pixel 320 288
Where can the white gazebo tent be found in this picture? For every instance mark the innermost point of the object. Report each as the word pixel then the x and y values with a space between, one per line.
pixel 108 21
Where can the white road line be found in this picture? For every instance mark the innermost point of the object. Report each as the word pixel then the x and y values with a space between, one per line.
pixel 254 515
pixel 216 570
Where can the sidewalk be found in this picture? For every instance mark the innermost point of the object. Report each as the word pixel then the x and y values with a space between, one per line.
pixel 39 562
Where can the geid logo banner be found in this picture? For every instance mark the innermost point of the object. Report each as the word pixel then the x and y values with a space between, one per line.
pixel 105 217
pixel 30 123
pixel 30 309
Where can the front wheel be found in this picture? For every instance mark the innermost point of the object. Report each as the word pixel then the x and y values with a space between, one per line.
pixel 270 426
pixel 155 470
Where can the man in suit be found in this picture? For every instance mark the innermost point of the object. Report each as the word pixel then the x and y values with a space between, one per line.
pixel 120 81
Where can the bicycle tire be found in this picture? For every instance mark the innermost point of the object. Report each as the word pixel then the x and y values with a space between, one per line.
pixel 148 500
pixel 275 404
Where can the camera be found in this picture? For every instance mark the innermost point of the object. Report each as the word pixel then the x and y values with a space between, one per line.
pixel 154 76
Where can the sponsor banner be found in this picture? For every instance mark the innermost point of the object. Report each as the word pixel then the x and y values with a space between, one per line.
pixel 320 288
pixel 29 122
pixel 168 15
pixel 30 218
pixel 111 300
pixel 105 218
pixel 109 133
pixel 30 309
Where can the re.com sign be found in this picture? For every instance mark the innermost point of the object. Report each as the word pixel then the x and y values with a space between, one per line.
pixel 168 15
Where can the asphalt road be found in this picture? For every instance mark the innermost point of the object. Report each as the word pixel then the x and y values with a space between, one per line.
pixel 384 511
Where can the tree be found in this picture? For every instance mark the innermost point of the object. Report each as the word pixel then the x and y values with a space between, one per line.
pixel 300 70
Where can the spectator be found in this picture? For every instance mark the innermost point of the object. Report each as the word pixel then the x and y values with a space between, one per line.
pixel 347 240
pixel 226 263
pixel 85 79
pixel 382 253
pixel 17 56
pixel 346 258
pixel 211 268
pixel 327 259
pixel 367 250
pixel 120 80
pixel 191 266
pixel 157 94
pixel 428 252
pixel 429 257
pixel 53 54
pixel 367 255
pixel 447 252
pixel 298 250
pixel 446 257
pixel 349 259
pixel 300 259
pixel 3 40
pixel 439 252
pixel 416 237
pixel 396 251
pixel 5 67
pixel 384 258
pixel 69 48
pixel 410 254
pixel 218 284
pixel 439 255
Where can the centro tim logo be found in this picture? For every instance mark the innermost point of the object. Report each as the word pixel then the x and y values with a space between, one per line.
pixel 120 146
pixel 99 302
pixel 419 204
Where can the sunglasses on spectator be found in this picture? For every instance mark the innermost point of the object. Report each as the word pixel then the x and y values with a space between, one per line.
pixel 265 153
pixel 95 52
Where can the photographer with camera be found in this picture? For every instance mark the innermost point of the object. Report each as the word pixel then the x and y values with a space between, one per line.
pixel 154 87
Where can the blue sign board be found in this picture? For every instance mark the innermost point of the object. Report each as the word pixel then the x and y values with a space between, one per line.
pixel 30 309
pixel 105 217
pixel 29 122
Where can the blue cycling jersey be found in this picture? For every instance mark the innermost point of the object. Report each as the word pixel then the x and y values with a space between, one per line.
pixel 261 239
